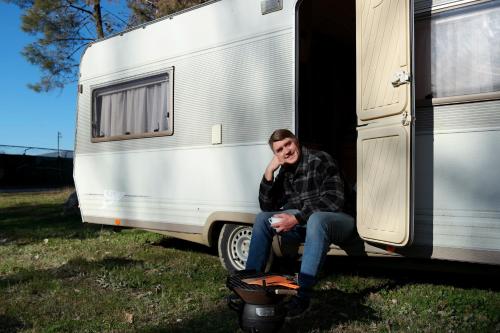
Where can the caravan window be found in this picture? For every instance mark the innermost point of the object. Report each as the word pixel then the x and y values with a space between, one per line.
pixel 458 53
pixel 134 109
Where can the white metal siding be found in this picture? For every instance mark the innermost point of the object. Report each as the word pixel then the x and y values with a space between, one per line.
pixel 233 66
pixel 457 197
pixel 247 87
pixel 182 186
pixel 480 116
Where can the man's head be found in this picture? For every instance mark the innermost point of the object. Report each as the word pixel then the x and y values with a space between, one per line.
pixel 285 146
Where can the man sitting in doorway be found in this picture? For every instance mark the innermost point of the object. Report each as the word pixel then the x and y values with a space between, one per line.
pixel 307 196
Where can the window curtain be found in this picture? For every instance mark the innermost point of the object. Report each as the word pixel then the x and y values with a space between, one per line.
pixel 458 52
pixel 133 111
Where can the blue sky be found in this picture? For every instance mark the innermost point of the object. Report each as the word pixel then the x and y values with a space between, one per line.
pixel 28 118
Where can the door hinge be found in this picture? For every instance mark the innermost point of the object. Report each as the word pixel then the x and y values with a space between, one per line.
pixel 399 78
pixel 406 119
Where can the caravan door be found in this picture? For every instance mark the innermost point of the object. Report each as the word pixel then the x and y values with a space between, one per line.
pixel 385 128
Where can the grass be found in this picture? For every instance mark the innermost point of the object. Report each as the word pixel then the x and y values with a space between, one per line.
pixel 60 275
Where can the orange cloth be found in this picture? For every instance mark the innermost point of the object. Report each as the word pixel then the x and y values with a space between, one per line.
pixel 272 280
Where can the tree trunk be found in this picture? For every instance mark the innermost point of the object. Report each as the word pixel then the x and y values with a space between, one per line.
pixel 98 19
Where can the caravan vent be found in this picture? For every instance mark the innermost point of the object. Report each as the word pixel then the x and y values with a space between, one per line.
pixel 269 6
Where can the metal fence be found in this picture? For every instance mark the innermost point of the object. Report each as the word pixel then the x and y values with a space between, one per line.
pixel 22 166
pixel 35 151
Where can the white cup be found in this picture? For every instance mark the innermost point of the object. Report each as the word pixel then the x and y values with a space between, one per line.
pixel 274 220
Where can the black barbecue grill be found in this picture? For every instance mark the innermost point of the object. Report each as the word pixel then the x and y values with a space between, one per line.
pixel 258 299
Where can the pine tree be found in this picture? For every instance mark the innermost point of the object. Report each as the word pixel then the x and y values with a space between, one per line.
pixel 63 28
pixel 148 10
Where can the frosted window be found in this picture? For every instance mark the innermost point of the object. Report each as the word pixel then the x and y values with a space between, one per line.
pixel 458 52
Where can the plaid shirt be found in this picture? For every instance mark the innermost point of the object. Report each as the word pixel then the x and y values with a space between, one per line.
pixel 312 185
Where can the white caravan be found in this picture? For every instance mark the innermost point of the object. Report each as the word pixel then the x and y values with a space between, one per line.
pixel 174 115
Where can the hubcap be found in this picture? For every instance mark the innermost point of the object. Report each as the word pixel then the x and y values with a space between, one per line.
pixel 238 246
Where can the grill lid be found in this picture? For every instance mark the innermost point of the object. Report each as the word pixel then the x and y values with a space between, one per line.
pixel 261 288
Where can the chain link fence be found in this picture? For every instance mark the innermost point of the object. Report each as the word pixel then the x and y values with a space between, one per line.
pixel 22 166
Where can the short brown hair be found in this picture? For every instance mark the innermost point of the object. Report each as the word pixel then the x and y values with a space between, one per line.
pixel 281 134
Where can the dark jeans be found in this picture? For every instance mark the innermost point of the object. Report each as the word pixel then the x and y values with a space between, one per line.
pixel 322 229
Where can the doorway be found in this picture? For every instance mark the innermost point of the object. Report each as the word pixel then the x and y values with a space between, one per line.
pixel 326 80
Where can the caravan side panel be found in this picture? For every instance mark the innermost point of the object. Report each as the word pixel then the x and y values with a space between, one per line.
pixel 457 211
pixel 233 66
pixel 457 182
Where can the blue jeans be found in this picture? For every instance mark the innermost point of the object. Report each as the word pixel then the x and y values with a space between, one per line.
pixel 322 229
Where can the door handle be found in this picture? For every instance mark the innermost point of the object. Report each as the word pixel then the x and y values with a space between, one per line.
pixel 399 78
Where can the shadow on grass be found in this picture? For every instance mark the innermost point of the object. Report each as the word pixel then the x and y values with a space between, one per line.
pixel 409 270
pixel 77 267
pixel 26 224
pixel 334 308
pixel 221 320
pixel 10 324
pixel 182 245
pixel 329 309
pixel 40 282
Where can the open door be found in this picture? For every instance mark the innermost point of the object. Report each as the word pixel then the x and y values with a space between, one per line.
pixel 384 110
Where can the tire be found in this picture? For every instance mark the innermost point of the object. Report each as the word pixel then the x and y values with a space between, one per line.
pixel 234 243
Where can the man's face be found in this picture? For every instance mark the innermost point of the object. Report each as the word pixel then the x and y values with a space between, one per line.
pixel 287 151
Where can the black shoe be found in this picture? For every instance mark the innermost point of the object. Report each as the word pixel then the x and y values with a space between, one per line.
pixel 296 307
pixel 235 302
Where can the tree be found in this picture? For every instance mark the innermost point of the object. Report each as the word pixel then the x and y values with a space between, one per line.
pixel 148 10
pixel 63 29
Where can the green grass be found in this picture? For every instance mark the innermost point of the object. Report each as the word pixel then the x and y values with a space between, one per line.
pixel 60 275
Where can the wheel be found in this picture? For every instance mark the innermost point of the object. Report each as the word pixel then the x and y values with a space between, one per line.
pixel 234 243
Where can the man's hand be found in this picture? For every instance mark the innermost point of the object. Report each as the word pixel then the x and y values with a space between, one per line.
pixel 288 221
pixel 271 167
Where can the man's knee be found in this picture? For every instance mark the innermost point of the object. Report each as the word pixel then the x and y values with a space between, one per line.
pixel 262 217
pixel 317 223
pixel 336 225
pixel 261 220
